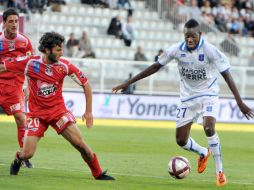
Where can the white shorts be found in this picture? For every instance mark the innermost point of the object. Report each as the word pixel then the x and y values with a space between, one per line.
pixel 194 110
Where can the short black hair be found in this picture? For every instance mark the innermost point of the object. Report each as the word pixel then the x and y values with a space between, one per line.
pixel 8 12
pixel 50 40
pixel 192 23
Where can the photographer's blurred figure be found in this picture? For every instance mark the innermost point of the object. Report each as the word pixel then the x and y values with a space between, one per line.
pixel 131 88
pixel 139 55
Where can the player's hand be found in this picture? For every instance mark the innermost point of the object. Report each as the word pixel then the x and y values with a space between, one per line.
pixel 121 87
pixel 247 112
pixel 88 116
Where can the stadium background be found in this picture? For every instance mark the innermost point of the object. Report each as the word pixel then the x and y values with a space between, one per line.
pixel 154 29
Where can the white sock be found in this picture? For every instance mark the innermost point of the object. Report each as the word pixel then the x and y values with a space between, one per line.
pixel 214 145
pixel 191 145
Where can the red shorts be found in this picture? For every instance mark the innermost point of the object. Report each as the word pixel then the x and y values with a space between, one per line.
pixel 11 99
pixel 37 126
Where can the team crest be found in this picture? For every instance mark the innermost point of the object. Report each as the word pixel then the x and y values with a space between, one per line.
pixel 201 57
pixel 60 69
pixel 209 108
pixel 48 71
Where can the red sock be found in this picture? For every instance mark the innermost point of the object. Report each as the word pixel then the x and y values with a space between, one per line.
pixel 21 133
pixel 18 156
pixel 95 166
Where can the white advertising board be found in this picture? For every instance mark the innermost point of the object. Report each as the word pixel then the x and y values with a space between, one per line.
pixel 142 107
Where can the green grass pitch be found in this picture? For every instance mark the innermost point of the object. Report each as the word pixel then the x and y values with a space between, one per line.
pixel 137 157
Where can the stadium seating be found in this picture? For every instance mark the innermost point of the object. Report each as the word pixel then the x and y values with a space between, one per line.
pixel 152 34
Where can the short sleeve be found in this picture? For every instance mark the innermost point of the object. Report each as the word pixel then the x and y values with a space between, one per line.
pixel 219 59
pixel 76 75
pixel 29 50
pixel 17 65
pixel 168 55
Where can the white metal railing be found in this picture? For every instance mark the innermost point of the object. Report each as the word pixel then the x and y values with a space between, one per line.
pixel 105 74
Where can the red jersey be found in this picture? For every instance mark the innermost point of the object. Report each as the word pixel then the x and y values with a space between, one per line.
pixel 45 82
pixel 13 48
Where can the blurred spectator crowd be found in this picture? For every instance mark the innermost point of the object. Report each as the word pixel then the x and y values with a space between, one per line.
pixel 232 16
pixel 32 6
pixel 122 29
pixel 80 48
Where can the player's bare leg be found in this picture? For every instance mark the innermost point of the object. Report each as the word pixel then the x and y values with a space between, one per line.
pixel 214 146
pixel 20 119
pixel 182 134
pixel 186 142
pixel 72 134
pixel 29 148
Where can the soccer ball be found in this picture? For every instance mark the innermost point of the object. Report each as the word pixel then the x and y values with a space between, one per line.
pixel 179 167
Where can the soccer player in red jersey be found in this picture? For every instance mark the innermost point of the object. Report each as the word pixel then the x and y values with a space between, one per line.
pixel 46 104
pixel 13 44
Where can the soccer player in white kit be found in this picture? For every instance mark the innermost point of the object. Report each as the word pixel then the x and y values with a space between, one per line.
pixel 197 61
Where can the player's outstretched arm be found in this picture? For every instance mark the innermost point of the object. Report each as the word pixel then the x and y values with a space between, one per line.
pixel 88 115
pixel 147 72
pixel 248 113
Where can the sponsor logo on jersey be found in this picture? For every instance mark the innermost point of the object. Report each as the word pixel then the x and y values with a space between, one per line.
pixel 28 53
pixel 223 61
pixel 201 57
pixel 194 74
pixel 48 71
pixel 21 58
pixel 1 45
pixel 11 45
pixel 45 89
pixel 61 122
pixel 15 107
pixel 185 62
pixel 37 66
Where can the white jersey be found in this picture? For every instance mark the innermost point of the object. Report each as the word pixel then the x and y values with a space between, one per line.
pixel 197 68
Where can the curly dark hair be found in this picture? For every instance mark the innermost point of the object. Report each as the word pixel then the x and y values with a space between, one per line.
pixel 8 12
pixel 49 40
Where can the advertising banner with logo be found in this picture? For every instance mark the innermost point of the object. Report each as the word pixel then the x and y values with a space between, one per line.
pixel 142 107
